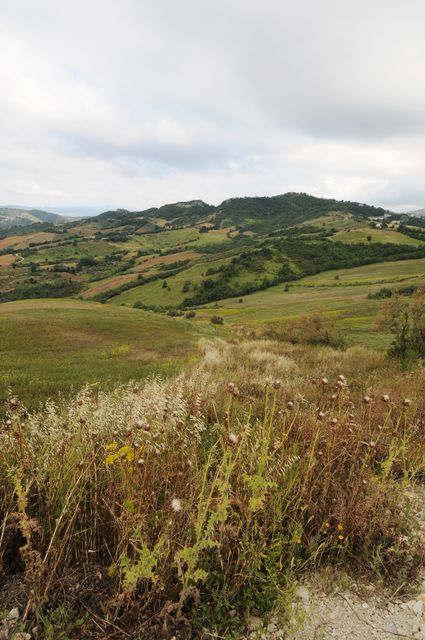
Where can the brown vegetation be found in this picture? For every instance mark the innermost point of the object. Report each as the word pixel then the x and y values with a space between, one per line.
pixel 162 506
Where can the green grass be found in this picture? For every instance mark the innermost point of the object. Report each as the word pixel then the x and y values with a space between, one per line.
pixel 387 272
pixel 334 220
pixel 346 300
pixel 49 346
pixel 153 293
pixel 67 252
pixel 377 235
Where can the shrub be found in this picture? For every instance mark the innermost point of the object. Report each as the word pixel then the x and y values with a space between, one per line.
pixel 217 320
pixel 315 330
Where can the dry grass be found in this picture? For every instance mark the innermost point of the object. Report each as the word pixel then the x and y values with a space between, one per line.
pixel 213 491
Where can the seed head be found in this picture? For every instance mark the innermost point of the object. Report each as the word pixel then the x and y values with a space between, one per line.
pixel 366 399
pixel 290 404
pixel 325 381
pixel 407 402
pixel 14 404
pixel 334 420
pixel 233 439
pixel 277 384
pixel 232 389
pixel 176 505
pixel 385 397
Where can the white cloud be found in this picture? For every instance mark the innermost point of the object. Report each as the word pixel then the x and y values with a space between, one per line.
pixel 133 103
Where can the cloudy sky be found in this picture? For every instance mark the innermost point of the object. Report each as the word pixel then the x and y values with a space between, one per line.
pixel 134 103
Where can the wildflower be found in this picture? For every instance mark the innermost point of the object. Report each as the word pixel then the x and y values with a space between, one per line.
pixel 334 420
pixel 126 454
pixel 385 397
pixel 340 527
pixel 233 439
pixel 320 415
pixel 277 384
pixel 334 396
pixel 340 537
pixel 290 404
pixel 407 402
pixel 141 462
pixel 325 381
pixel 327 525
pixel 366 399
pixel 340 384
pixel 342 378
pixel 176 505
pixel 298 540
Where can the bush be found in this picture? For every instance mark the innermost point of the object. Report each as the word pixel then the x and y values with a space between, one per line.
pixel 315 330
pixel 217 320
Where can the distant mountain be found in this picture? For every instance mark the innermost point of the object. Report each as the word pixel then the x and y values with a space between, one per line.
pixel 418 212
pixel 19 216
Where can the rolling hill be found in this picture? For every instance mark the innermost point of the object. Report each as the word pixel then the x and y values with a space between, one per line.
pixel 188 254
pixel 18 216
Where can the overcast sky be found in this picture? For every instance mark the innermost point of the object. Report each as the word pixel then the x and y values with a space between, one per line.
pixel 135 103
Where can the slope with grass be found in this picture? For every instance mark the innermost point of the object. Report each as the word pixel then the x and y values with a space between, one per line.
pixel 49 347
pixel 116 243
pixel 341 294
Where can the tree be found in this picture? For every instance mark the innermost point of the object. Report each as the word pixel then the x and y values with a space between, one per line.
pixel 404 317
pixel 418 322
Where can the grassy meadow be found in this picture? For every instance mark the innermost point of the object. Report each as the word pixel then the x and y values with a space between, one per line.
pixel 57 346
pixel 354 236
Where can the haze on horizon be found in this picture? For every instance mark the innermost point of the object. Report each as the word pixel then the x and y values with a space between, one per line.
pixel 135 103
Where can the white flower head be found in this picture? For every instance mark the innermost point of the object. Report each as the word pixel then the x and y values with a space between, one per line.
pixel 176 505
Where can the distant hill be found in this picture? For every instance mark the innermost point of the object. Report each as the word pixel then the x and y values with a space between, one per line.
pixel 17 216
pixel 187 254
pixel 260 214
pixel 418 212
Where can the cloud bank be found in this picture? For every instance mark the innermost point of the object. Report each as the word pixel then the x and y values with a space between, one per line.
pixel 134 103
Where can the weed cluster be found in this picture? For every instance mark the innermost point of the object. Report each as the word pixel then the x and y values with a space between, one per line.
pixel 167 504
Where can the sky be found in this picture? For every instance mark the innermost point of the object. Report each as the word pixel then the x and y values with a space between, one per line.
pixel 137 103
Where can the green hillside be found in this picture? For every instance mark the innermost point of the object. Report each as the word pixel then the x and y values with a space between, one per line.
pixel 191 253
pixel 49 347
